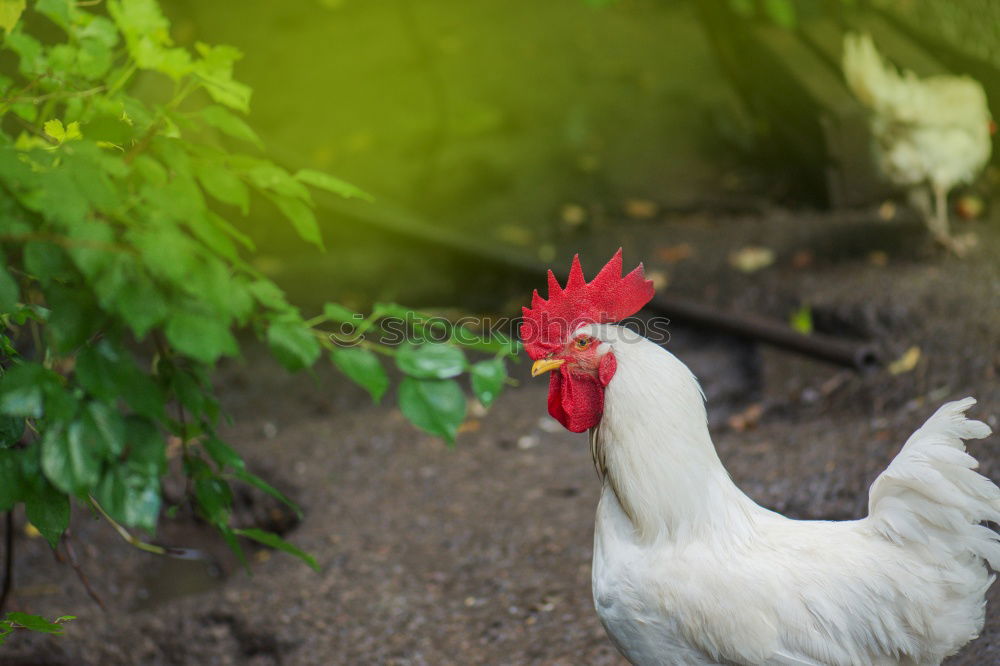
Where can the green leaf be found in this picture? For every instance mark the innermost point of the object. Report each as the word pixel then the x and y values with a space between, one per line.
pixel 36 622
pixel 55 129
pixel 223 454
pixel 208 231
pixel 199 336
pixel 130 497
pixel 781 12
pixel 97 40
pixel 167 252
pixel 189 391
pixel 11 429
pixel 140 17
pixel 48 511
pixel 437 406
pixel 147 35
pixel 61 403
pixel 801 320
pixel 70 460
pixel 490 341
pixel 325 181
pixel 12 486
pixel 94 184
pixel 231 124
pixel 431 361
pixel 302 218
pixel 21 390
pixel 487 379
pixel 149 170
pixel 274 541
pixel 363 368
pixel 95 370
pixel 10 13
pixel 47 262
pixel 224 185
pixel 103 429
pixel 268 294
pixel 263 486
pixel 147 452
pixel 9 291
pixel 214 499
pixel 272 178
pixel 293 343
pixel 338 313
pixel 141 304
pixel 33 60
pixel 234 545
pixel 397 311
pixel 225 294
pixel 75 316
pixel 215 69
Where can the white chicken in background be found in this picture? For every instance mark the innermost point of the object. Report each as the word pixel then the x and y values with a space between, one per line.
pixel 689 570
pixel 930 134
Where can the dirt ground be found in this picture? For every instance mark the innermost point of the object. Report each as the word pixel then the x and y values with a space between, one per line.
pixel 481 554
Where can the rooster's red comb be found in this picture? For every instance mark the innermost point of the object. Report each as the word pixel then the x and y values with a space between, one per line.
pixel 606 299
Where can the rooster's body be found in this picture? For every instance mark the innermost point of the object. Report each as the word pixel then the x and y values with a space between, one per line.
pixel 689 570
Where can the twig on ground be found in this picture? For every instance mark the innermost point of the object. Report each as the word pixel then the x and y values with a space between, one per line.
pixel 75 563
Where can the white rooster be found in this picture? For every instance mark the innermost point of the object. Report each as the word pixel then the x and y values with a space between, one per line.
pixel 689 570
pixel 930 134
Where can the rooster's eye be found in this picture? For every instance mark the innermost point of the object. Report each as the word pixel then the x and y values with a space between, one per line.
pixel 583 343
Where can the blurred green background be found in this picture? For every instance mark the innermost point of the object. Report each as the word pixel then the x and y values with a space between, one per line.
pixel 527 124
pixel 483 117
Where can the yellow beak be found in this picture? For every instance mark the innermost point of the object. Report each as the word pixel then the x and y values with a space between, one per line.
pixel 542 366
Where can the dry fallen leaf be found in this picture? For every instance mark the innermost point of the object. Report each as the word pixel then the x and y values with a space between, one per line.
pixel 472 425
pixel 906 362
pixel 802 259
pixel 878 258
pixel 969 207
pixel 525 442
pixel 174 446
pixel 887 210
pixel 641 209
pixel 659 278
pixel 751 258
pixel 674 253
pixel 747 419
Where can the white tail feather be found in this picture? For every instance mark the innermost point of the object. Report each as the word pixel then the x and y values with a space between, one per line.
pixel 869 77
pixel 930 495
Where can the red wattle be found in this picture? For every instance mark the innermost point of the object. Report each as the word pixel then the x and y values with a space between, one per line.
pixel 576 401
pixel 606 368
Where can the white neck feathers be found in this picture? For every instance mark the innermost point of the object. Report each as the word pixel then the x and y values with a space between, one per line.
pixel 654 450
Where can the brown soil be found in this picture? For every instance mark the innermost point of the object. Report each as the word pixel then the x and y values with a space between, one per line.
pixel 481 554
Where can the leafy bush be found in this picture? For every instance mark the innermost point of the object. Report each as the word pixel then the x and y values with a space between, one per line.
pixel 125 275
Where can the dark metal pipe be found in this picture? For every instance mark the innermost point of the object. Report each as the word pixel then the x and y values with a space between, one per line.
pixel 858 355
pixel 397 221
